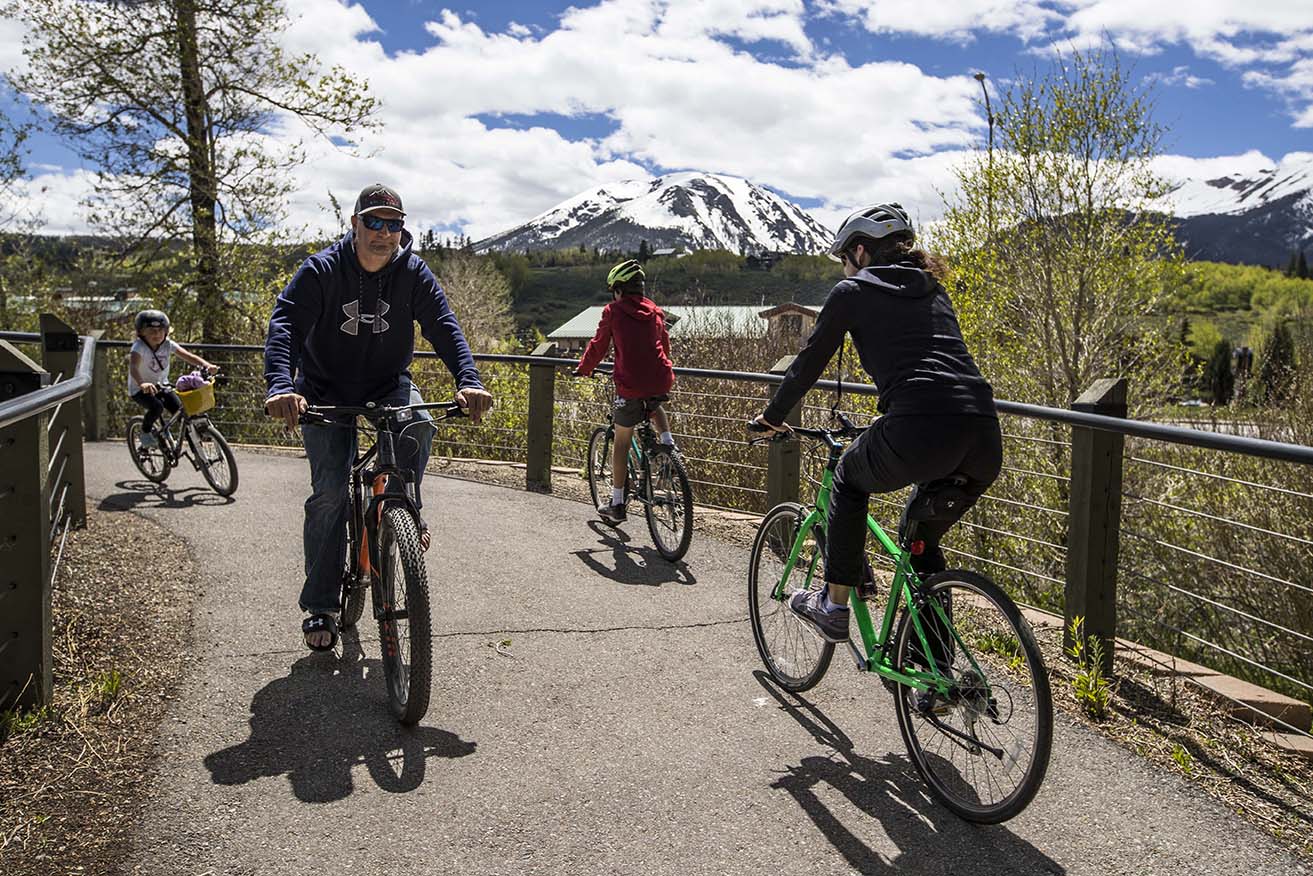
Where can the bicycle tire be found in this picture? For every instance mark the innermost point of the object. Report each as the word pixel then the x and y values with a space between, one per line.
pixel 774 626
pixel 153 462
pixel 220 467
pixel 1003 647
pixel 669 505
pixel 599 465
pixel 353 594
pixel 406 641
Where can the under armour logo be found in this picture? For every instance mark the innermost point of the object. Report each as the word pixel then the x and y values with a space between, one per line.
pixel 354 318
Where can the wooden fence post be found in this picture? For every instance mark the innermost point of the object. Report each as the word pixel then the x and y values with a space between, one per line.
pixel 784 460
pixel 95 403
pixel 542 408
pixel 59 346
pixel 25 634
pixel 1094 519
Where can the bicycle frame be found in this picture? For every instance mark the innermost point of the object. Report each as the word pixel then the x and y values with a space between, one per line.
pixel 903 590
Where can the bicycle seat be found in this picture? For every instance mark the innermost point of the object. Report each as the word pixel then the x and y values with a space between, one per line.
pixel 944 499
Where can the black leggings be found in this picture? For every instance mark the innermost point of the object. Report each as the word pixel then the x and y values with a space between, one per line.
pixel 155 405
pixel 898 450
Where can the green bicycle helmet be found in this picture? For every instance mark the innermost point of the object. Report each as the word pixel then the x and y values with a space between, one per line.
pixel 624 272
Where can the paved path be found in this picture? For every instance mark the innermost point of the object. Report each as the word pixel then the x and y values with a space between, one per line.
pixel 628 729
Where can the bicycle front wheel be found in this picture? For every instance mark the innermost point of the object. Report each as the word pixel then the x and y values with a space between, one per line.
pixel 152 462
pixel 794 655
pixel 599 465
pixel 669 505
pixel 216 460
pixel 984 748
pixel 404 623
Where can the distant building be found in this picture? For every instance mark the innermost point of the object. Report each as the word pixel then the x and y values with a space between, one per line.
pixel 763 261
pixel 714 322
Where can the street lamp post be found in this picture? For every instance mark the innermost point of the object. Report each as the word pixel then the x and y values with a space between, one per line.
pixel 989 190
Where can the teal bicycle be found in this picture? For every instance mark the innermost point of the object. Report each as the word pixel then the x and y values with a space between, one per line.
pixel 656 477
pixel 970 689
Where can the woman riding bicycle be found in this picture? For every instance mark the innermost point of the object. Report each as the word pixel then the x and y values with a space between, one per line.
pixel 938 411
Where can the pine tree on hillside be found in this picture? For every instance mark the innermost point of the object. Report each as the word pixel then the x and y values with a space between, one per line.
pixel 1221 379
pixel 1293 265
pixel 1301 268
pixel 1277 370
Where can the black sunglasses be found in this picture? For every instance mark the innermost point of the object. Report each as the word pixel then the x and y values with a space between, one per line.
pixel 376 223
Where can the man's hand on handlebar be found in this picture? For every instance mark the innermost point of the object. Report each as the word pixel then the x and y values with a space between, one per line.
pixel 475 401
pixel 286 406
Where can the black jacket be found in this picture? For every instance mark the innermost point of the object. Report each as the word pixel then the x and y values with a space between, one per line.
pixel 907 337
pixel 339 335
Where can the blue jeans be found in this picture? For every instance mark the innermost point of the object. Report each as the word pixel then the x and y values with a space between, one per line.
pixel 331 450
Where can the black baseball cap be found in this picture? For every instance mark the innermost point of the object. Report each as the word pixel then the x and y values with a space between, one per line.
pixel 378 197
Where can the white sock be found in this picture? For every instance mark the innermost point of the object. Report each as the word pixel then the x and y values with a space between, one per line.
pixel 617 495
pixel 830 605
pixel 667 439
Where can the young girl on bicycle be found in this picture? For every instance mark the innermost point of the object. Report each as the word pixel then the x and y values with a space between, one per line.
pixel 939 416
pixel 643 372
pixel 148 367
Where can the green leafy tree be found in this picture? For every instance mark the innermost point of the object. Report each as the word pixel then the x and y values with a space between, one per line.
pixel 1060 268
pixel 170 100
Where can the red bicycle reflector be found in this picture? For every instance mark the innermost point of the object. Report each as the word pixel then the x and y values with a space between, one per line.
pixel 917 548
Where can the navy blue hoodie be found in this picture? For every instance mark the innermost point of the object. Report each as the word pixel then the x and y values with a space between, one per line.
pixel 907 337
pixel 349 334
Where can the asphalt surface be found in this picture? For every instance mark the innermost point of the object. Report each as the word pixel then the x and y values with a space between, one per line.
pixel 625 728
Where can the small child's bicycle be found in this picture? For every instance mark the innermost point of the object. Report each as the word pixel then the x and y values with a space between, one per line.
pixel 656 477
pixel 190 433
pixel 970 688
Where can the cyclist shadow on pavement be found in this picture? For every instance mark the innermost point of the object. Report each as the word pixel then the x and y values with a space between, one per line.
pixel 631 564
pixel 930 839
pixel 328 715
pixel 145 494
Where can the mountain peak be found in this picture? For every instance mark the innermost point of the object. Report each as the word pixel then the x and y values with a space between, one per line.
pixel 688 209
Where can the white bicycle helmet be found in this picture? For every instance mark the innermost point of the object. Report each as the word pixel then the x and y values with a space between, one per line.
pixel 875 221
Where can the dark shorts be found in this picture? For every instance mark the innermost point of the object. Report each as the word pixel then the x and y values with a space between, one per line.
pixel 629 412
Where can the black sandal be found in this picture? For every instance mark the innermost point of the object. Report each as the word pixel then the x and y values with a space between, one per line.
pixel 425 540
pixel 320 623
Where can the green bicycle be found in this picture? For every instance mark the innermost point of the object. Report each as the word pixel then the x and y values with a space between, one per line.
pixel 662 485
pixel 970 688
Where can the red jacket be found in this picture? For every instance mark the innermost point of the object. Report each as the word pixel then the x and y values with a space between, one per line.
pixel 642 347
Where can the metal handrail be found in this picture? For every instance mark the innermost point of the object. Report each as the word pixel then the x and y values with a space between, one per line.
pixel 47 397
pixel 1245 445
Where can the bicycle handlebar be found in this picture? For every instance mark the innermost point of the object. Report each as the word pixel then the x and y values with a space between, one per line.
pixel 847 429
pixel 326 415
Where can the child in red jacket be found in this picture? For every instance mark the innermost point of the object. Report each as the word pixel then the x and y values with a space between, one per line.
pixel 643 373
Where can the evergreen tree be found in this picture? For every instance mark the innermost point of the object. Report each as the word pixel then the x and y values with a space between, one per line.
pixel 1301 267
pixel 1221 379
pixel 644 251
pixel 1276 371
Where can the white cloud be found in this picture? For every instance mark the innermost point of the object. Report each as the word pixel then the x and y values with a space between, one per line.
pixel 957 20
pixel 1180 75
pixel 11 46
pixel 52 200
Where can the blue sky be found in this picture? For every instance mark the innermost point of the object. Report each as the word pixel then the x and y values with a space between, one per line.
pixel 496 112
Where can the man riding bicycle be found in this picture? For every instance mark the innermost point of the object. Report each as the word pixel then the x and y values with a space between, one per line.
pixel 939 416
pixel 341 334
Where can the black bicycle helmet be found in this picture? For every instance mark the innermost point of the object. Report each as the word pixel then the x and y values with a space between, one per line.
pixel 152 319
pixel 875 221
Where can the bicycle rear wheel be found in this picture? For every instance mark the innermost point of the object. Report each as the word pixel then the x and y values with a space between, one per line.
pixel 215 458
pixel 794 655
pixel 404 623
pixel 984 750
pixel 599 465
pixel 152 462
pixel 669 505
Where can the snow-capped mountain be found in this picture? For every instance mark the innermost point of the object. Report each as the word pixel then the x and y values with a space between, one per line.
pixel 1254 214
pixel 689 210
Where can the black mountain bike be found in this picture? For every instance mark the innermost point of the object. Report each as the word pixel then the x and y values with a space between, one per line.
pixel 383 551
pixel 183 434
